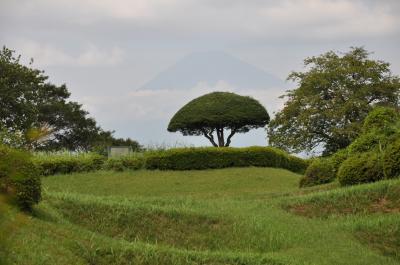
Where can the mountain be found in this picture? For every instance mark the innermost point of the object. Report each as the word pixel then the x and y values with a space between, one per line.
pixel 211 68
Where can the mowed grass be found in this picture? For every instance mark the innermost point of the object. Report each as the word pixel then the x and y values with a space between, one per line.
pixel 226 216
pixel 231 182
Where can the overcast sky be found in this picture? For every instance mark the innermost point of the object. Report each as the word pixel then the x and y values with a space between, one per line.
pixel 105 50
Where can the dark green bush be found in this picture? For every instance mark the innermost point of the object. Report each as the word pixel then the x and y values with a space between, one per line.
pixel 50 164
pixel 211 157
pixel 124 163
pixel 361 168
pixel 19 177
pixel 337 159
pixel 381 118
pixel 366 142
pixel 391 160
pixel 320 171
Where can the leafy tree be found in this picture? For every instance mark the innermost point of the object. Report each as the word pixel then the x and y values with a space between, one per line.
pixel 106 139
pixel 38 112
pixel 333 97
pixel 217 112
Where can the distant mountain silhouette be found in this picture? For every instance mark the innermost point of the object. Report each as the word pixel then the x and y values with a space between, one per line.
pixel 210 68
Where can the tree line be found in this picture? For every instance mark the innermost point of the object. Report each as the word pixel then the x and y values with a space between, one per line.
pixel 38 115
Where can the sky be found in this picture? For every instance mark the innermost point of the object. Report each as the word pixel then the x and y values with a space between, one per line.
pixel 107 51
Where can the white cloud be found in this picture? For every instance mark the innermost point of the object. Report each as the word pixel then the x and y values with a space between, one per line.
pixel 49 55
pixel 311 19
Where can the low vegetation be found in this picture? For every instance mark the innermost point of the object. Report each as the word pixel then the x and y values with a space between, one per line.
pixel 170 159
pixel 220 216
pixel 19 178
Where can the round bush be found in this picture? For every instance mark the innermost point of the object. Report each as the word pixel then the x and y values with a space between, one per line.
pixel 320 171
pixel 381 118
pixel 391 160
pixel 19 177
pixel 337 159
pixel 361 168
pixel 366 142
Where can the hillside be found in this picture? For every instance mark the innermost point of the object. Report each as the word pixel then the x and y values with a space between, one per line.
pixel 227 216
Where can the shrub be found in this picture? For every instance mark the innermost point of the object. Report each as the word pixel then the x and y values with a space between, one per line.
pixel 366 142
pixel 64 163
pixel 391 160
pixel 337 159
pixel 381 118
pixel 124 163
pixel 19 177
pixel 361 168
pixel 211 157
pixel 320 171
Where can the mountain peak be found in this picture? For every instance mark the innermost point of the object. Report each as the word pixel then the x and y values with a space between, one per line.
pixel 212 67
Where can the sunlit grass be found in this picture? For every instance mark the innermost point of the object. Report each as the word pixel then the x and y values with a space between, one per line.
pixel 225 216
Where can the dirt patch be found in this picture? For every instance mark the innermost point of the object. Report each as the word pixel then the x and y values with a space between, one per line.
pixel 367 203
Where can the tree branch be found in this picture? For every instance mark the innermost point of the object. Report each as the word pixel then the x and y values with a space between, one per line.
pixel 209 136
pixel 228 140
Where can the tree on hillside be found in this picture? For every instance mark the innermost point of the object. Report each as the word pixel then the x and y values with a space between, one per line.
pixel 217 112
pixel 39 115
pixel 332 99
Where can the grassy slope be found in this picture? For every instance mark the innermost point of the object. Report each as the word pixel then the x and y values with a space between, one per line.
pixel 228 216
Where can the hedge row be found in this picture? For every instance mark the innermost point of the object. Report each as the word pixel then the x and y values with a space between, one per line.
pixel 211 157
pixel 172 159
pixel 19 177
pixel 50 164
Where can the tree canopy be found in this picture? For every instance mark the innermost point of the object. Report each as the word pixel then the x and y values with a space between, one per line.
pixel 332 99
pixel 39 115
pixel 216 112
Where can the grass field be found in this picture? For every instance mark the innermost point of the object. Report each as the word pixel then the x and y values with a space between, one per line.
pixel 227 216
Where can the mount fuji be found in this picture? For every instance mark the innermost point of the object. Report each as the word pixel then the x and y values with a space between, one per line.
pixel 211 68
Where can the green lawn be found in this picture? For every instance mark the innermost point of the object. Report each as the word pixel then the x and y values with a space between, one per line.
pixel 225 216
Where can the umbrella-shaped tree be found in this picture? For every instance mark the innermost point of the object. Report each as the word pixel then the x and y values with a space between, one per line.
pixel 217 112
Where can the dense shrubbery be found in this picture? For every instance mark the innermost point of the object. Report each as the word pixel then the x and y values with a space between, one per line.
pixel 205 158
pixel 337 159
pixel 63 163
pixel 320 171
pixel 381 118
pixel 375 154
pixel 391 160
pixel 366 142
pixel 19 177
pixel 124 163
pixel 172 159
pixel 361 168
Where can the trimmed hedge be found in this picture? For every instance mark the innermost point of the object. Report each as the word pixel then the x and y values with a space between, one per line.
pixel 211 157
pixel 19 177
pixel 391 160
pixel 51 164
pixel 320 171
pixel 124 163
pixel 361 168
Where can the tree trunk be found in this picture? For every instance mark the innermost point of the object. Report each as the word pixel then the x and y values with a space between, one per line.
pixel 220 135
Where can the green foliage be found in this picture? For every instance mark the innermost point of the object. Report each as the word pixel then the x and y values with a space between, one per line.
pixel 106 139
pixel 366 142
pixel 19 177
pixel 29 102
pixel 124 163
pixel 333 97
pixel 337 159
pixel 391 160
pixel 216 112
pixel 320 171
pixel 205 158
pixel 361 168
pixel 64 163
pixel 381 119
